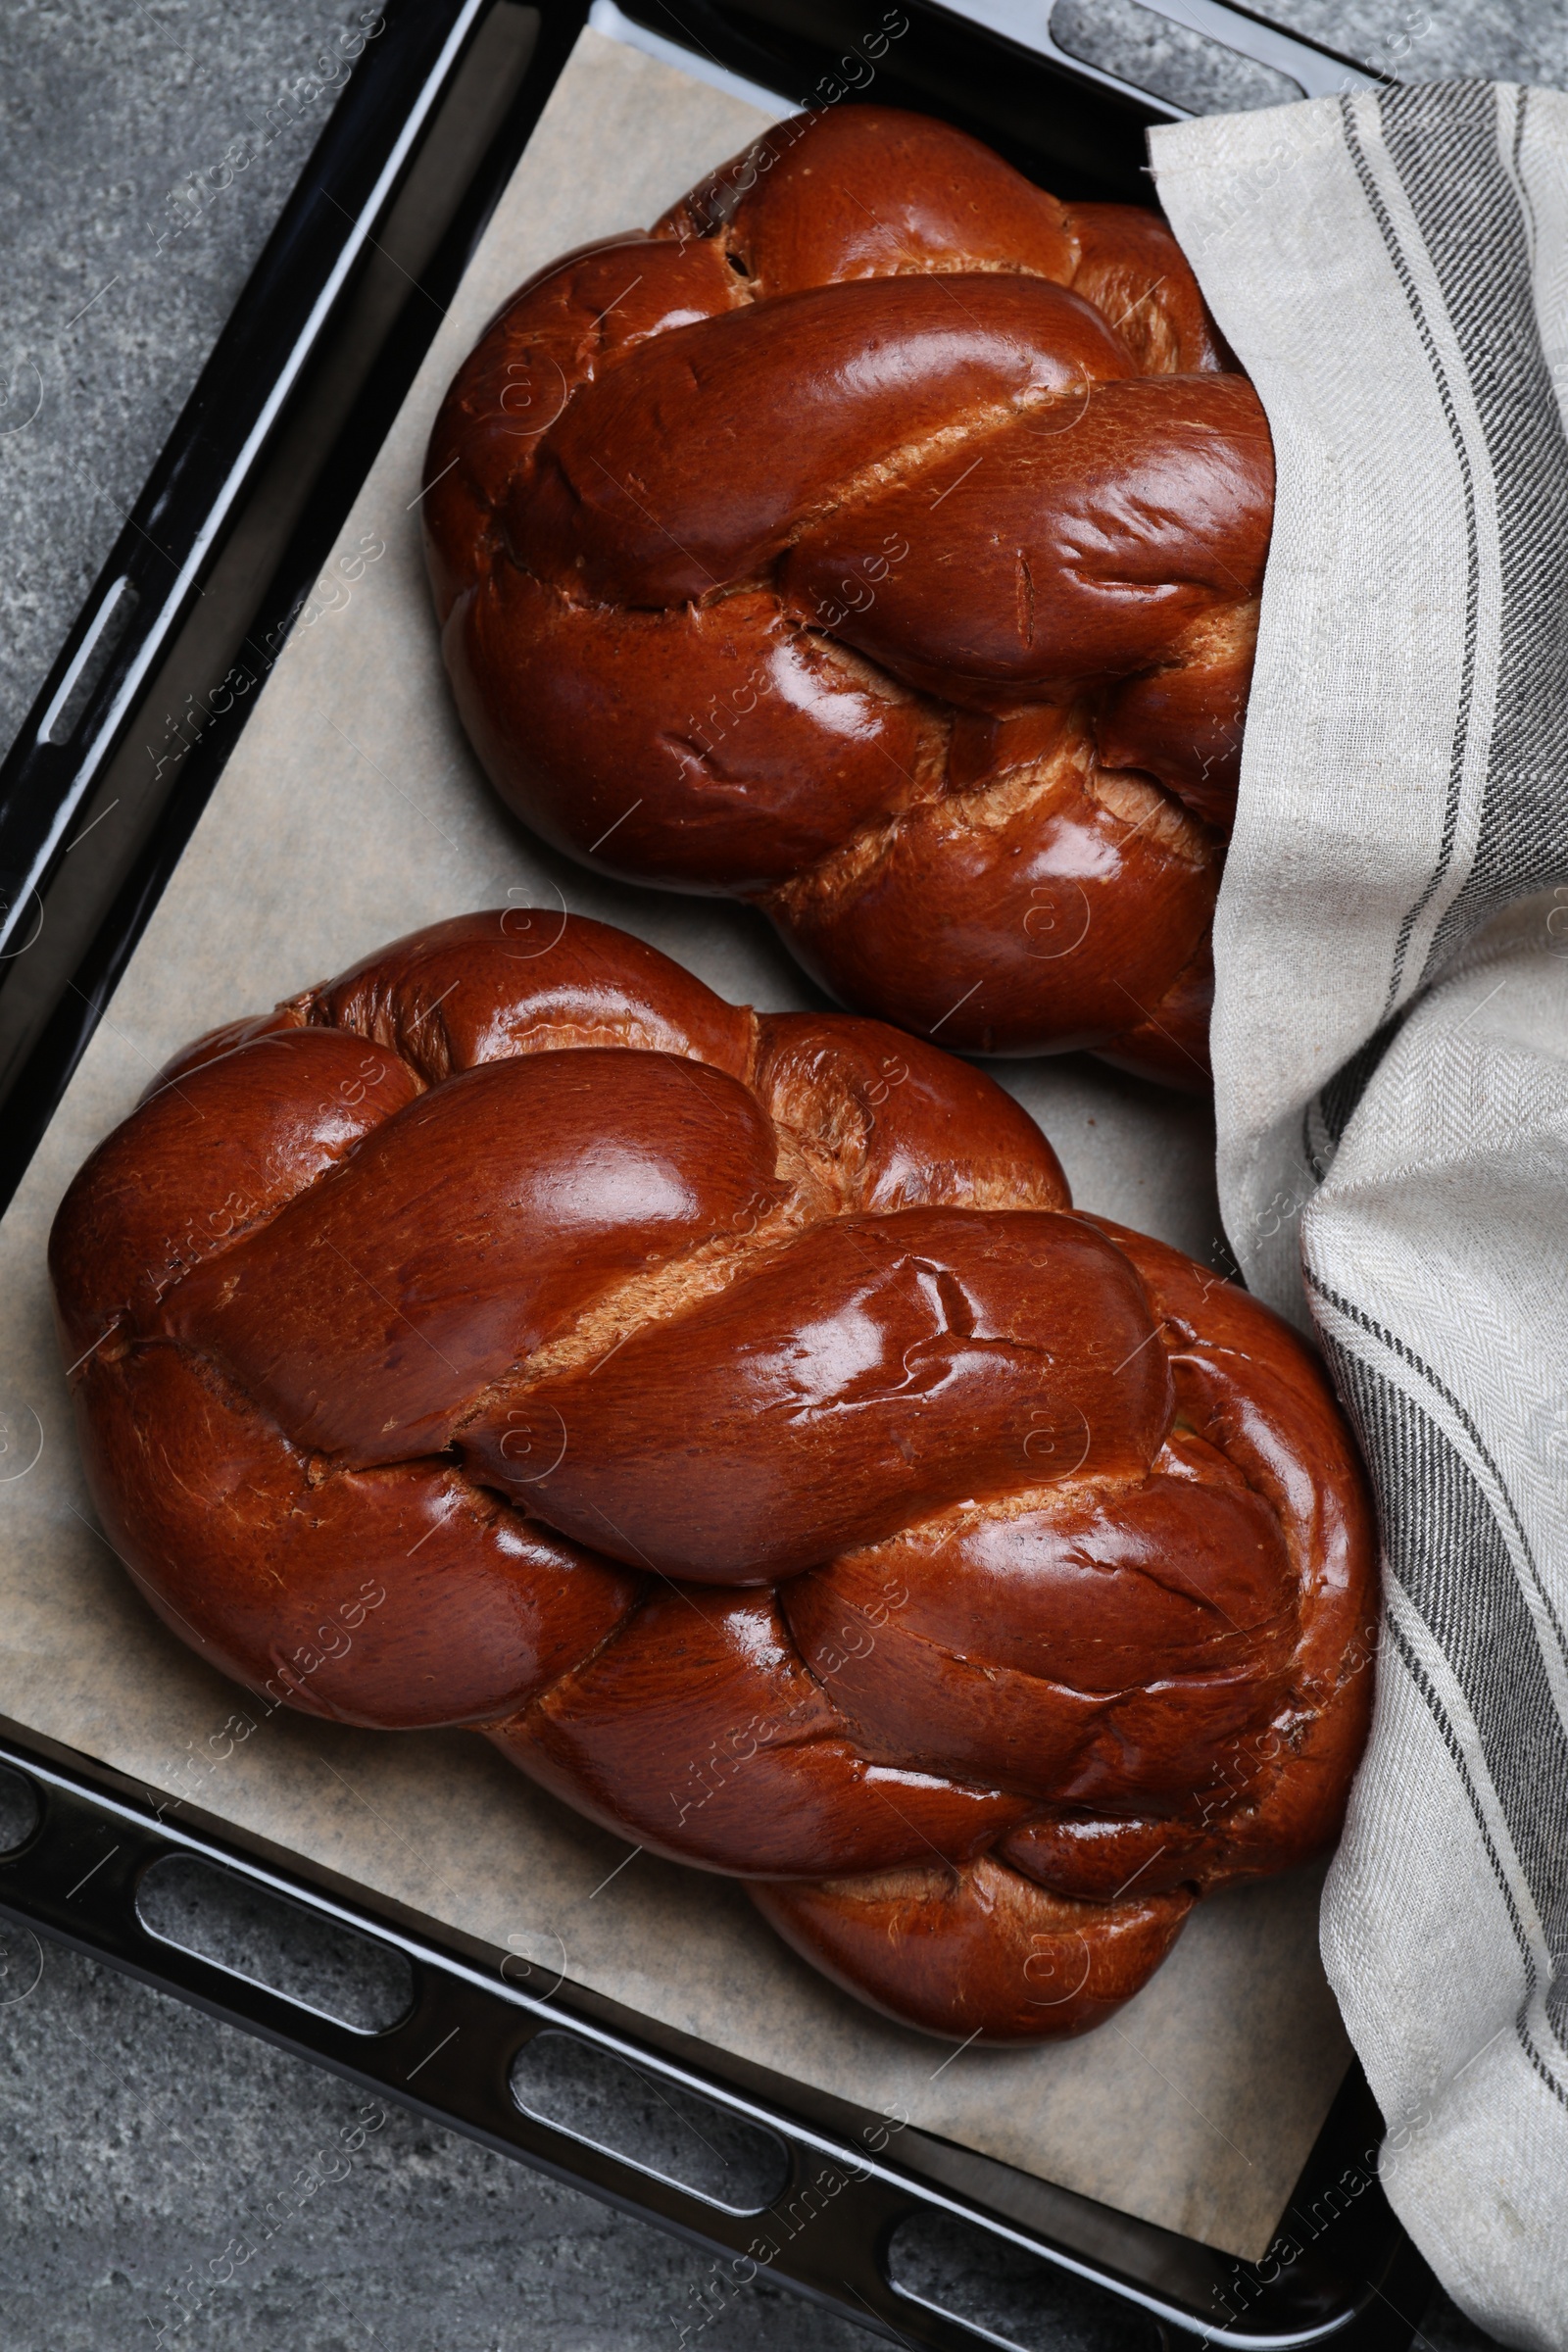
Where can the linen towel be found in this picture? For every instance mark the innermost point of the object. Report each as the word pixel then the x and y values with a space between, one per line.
pixel 1391 1044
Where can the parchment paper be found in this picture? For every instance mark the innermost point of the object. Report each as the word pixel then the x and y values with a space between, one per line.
pixel 353 811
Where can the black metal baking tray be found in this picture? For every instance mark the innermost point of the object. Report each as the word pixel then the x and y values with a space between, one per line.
pixel 847 2187
pixel 97 801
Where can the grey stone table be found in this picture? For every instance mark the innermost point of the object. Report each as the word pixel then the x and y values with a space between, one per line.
pixel 138 2140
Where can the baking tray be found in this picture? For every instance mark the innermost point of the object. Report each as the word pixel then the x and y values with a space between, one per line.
pixel 97 801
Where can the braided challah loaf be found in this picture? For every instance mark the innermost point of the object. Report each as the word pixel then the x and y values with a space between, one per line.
pixel 727 1413
pixel 878 540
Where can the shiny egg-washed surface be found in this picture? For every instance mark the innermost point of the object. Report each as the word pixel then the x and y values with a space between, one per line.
pixel 879 540
pixel 729 1414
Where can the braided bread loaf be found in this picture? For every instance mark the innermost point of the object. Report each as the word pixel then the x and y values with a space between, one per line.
pixel 727 1414
pixel 879 540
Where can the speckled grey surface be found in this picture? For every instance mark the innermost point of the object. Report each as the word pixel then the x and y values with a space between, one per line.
pixel 142 2145
pixel 1503 38
pixel 1122 38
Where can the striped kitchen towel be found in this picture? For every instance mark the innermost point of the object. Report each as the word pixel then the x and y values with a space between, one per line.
pixel 1390 1048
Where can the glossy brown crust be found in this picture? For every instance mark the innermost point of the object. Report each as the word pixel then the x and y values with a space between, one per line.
pixel 975 1950
pixel 880 540
pixel 729 1415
